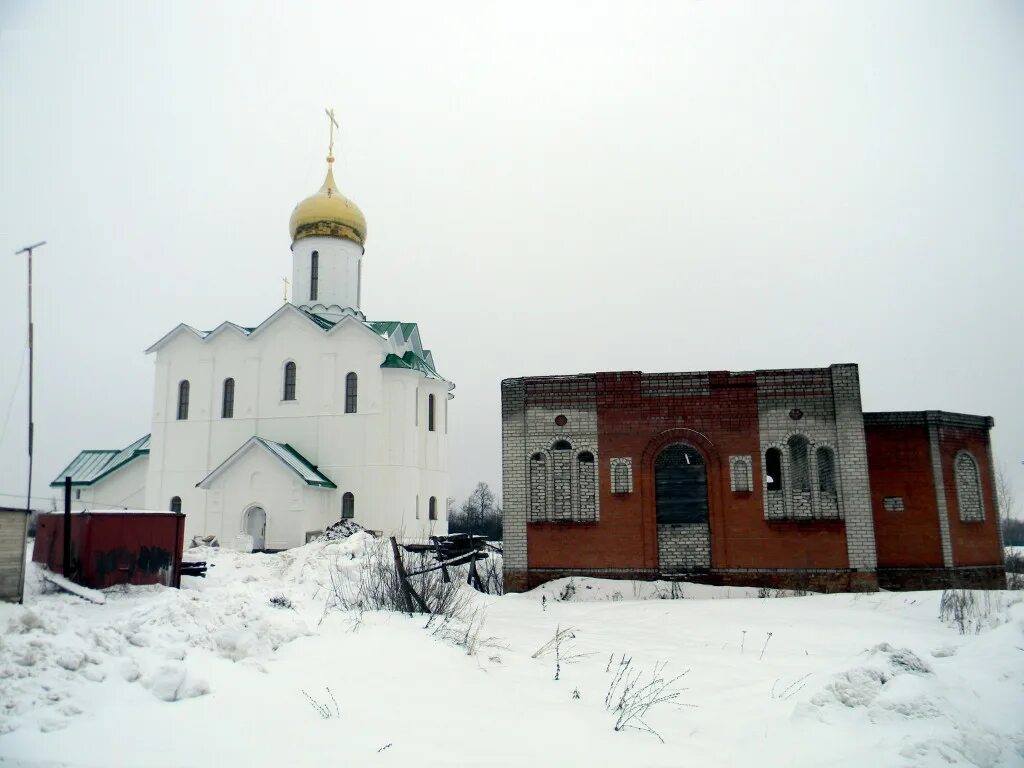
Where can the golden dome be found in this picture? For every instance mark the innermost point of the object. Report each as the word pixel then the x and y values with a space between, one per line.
pixel 328 213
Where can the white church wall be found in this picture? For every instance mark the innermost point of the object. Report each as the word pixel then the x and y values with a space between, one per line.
pixel 338 271
pixel 384 453
pixel 124 488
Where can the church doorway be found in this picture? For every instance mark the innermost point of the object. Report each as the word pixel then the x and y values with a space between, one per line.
pixel 681 509
pixel 254 523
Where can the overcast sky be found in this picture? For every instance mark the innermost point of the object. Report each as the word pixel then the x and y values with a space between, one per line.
pixel 549 188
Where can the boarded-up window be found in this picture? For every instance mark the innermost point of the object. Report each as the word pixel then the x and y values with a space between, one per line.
pixel 681 485
pixel 968 488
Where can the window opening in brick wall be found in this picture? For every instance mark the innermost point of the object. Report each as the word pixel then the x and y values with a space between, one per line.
pixel 538 487
pixel 680 485
pixel 773 469
pixel 968 488
pixel 561 480
pixel 622 475
pixel 826 471
pixel 586 477
pixel 799 463
pixel 893 504
pixel 348 506
pixel 741 474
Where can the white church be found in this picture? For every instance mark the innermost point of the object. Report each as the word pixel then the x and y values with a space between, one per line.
pixel 279 430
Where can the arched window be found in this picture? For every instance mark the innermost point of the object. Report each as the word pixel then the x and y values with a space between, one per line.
pixel 561 480
pixel 314 274
pixel 289 381
pixel 183 388
pixel 538 487
pixel 587 486
pixel 799 463
pixel 432 508
pixel 348 506
pixel 680 485
pixel 968 488
pixel 773 469
pixel 430 413
pixel 826 471
pixel 227 406
pixel 176 504
pixel 351 392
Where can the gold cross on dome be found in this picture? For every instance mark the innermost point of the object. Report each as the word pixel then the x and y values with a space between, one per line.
pixel 333 124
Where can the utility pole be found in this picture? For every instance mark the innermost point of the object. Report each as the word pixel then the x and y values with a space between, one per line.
pixel 31 426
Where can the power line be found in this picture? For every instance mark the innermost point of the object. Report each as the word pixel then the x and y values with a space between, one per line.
pixel 14 394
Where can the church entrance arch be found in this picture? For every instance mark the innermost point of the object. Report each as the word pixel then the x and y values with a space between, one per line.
pixel 681 509
pixel 254 523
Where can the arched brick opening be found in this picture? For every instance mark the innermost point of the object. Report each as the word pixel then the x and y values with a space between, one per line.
pixel 685 546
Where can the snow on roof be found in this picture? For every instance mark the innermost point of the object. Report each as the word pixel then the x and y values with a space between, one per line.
pixel 284 453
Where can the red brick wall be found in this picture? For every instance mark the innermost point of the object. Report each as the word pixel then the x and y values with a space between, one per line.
pixel 719 424
pixel 899 464
pixel 973 543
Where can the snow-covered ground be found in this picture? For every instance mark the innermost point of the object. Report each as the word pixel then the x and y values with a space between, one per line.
pixel 218 674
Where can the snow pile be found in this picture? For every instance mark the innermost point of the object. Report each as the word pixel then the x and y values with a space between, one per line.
pixel 248 660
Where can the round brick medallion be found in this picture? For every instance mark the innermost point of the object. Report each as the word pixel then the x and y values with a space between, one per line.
pixel 796 414
pixel 560 420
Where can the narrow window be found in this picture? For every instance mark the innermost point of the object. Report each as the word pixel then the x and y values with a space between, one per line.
pixel 586 486
pixel 968 488
pixel 78 493
pixel 351 392
pixel 227 407
pixel 176 504
pixel 799 463
pixel 773 469
pixel 348 506
pixel 430 413
pixel 432 508
pixel 538 487
pixel 416 408
pixel 314 274
pixel 826 471
pixel 289 382
pixel 183 400
pixel 561 480
pixel 417 506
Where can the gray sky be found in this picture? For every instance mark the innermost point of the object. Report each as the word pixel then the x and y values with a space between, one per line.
pixel 549 188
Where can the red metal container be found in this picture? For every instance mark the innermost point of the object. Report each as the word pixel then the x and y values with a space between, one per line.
pixel 109 548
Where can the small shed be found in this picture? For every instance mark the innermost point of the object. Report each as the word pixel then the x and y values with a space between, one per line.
pixel 109 548
pixel 13 530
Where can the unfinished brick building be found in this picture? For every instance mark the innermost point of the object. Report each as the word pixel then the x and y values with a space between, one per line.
pixel 773 478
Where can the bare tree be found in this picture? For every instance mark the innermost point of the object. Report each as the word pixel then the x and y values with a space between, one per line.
pixel 480 514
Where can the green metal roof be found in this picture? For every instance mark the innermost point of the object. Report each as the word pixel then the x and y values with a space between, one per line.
pixel 411 361
pixel 91 466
